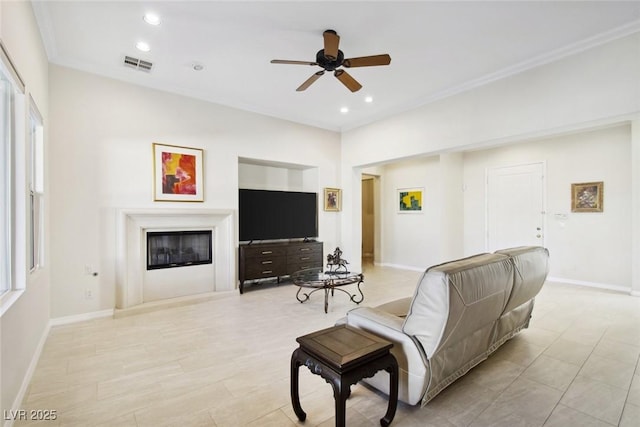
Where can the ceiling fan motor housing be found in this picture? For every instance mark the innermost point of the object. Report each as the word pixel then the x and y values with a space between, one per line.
pixel 328 63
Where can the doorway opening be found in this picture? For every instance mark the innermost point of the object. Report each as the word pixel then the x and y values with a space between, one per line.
pixel 368 219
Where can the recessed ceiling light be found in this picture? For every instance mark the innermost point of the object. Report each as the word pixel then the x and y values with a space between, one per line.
pixel 143 46
pixel 344 110
pixel 368 99
pixel 151 19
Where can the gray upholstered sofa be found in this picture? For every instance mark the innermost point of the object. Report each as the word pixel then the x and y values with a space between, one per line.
pixel 460 313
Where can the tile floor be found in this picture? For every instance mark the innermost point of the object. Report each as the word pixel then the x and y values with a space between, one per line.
pixel 225 362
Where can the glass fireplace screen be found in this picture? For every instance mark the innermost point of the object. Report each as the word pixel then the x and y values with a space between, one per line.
pixel 168 249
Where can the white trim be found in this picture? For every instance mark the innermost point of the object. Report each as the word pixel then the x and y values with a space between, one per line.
pixel 17 403
pixel 635 293
pixel 8 298
pixel 11 68
pixel 529 64
pixel 65 320
pixel 45 25
pixel 400 266
pixel 607 286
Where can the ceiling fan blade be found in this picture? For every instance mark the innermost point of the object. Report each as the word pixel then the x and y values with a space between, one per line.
pixel 367 61
pixel 310 81
pixel 331 42
pixel 285 61
pixel 346 79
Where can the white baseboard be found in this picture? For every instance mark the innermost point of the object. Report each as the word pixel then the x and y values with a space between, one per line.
pixel 17 403
pixel 65 320
pixel 400 266
pixel 606 286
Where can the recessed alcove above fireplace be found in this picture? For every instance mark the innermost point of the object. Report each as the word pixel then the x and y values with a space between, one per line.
pixel 137 285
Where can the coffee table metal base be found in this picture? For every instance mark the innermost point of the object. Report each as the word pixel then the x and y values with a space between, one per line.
pixel 329 290
pixel 327 281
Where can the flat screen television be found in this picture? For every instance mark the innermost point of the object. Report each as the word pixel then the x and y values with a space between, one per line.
pixel 271 215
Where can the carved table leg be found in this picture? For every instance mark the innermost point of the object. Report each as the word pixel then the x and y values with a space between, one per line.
pixel 341 392
pixel 393 392
pixel 295 396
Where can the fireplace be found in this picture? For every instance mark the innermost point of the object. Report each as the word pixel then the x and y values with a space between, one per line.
pixel 169 249
pixel 136 284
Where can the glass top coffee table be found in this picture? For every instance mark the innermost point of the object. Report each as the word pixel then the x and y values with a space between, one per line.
pixel 317 279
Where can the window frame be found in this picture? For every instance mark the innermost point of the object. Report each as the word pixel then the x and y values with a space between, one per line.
pixel 35 187
pixel 12 280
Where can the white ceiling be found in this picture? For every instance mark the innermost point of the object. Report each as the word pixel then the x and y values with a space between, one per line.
pixel 437 48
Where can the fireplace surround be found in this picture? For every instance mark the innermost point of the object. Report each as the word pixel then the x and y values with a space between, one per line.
pixel 135 285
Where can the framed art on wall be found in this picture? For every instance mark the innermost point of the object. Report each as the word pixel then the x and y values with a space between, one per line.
pixel 587 197
pixel 410 200
pixel 332 199
pixel 177 173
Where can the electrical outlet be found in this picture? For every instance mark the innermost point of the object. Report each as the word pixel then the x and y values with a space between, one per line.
pixel 88 294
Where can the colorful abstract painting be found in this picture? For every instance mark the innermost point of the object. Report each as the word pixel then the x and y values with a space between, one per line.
pixel 177 173
pixel 410 200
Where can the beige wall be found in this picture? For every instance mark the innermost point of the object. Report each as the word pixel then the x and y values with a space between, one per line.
pixel 593 87
pixel 585 247
pixel 101 134
pixel 24 326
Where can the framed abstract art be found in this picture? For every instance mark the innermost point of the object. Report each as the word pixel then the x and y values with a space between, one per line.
pixel 410 200
pixel 177 174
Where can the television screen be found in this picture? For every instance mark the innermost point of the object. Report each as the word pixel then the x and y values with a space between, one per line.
pixel 266 215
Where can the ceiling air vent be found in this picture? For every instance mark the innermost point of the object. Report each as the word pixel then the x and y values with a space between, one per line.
pixel 136 63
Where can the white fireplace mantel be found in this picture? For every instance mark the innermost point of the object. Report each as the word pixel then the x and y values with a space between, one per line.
pixel 131 247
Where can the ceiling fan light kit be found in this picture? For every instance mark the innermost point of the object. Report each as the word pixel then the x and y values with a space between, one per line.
pixel 331 58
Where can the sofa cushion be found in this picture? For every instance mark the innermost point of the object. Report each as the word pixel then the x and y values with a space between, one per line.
pixel 454 299
pixel 399 307
pixel 531 269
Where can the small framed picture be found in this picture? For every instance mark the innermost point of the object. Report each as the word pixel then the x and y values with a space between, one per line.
pixel 177 174
pixel 587 197
pixel 332 199
pixel 410 200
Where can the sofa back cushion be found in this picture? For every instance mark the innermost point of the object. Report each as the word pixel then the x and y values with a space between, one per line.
pixel 455 299
pixel 531 269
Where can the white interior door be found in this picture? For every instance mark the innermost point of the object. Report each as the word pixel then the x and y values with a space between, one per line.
pixel 515 206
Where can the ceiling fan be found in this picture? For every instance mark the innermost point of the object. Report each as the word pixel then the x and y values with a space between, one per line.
pixel 331 58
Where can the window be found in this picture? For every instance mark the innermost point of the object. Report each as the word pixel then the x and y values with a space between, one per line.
pixel 36 189
pixel 11 120
pixel 5 180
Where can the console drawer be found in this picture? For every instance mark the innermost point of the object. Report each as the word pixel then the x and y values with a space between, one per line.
pixel 263 252
pixel 261 268
pixel 313 259
pixel 261 261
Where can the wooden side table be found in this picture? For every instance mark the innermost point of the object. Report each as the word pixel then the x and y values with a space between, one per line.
pixel 344 355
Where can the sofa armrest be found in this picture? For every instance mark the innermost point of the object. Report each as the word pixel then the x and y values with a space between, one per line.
pixel 413 368
pixel 408 352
